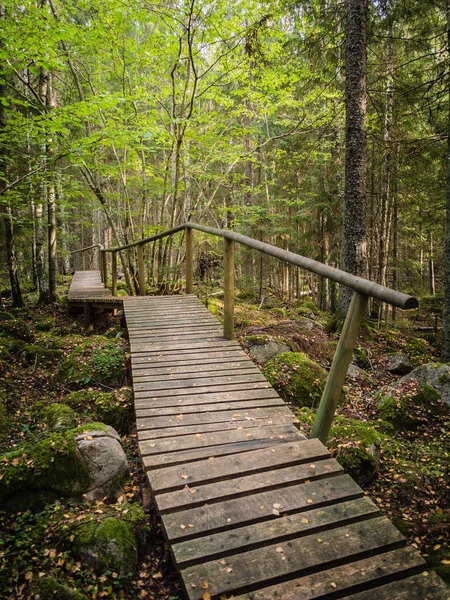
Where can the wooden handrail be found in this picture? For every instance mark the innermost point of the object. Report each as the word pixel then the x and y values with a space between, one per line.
pixel 363 290
pixel 100 246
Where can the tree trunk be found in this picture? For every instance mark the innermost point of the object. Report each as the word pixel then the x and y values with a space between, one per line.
pixel 445 351
pixel 354 235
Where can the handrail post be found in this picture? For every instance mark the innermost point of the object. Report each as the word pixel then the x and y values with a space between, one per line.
pixel 104 269
pixel 100 264
pixel 228 290
pixel 189 261
pixel 141 269
pixel 114 273
pixel 339 367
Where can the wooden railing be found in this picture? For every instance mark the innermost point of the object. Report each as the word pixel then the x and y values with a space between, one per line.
pixel 363 290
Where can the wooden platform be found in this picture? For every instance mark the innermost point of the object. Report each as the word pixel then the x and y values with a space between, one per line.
pixel 252 510
pixel 87 286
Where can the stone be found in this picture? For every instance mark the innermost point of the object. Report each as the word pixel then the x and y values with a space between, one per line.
pixel 108 545
pixel 398 364
pixel 296 378
pixel 58 417
pixel 270 347
pixel 105 459
pixel 406 403
pixel 354 371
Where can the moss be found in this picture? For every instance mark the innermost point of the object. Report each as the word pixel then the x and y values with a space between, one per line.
pixel 112 408
pixel 49 588
pixel 359 463
pixel 311 307
pixel 16 329
pixel 122 293
pixel 257 340
pixel 5 423
pixel 97 359
pixel 135 516
pixel 21 313
pixel 38 354
pixel 361 358
pixel 404 409
pixel 296 377
pixel 58 416
pixel 5 316
pixel 418 351
pixel 108 545
pixel 279 312
pixel 45 324
pixel 51 464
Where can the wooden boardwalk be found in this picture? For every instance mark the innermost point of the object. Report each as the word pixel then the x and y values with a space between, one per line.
pixel 252 510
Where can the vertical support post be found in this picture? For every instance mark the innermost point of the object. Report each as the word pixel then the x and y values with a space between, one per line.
pixel 228 290
pixel 114 273
pixel 189 261
pixel 100 265
pixel 88 316
pixel 339 367
pixel 104 264
pixel 141 269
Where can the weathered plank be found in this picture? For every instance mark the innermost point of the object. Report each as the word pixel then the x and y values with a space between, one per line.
pixel 250 416
pixel 260 507
pixel 187 384
pixel 426 586
pixel 258 461
pixel 291 558
pixel 263 533
pixel 209 440
pixel 209 408
pixel 239 486
pixel 213 398
pixel 157 461
pixel 206 389
pixel 365 573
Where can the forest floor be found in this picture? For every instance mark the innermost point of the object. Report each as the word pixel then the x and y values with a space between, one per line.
pixel 411 483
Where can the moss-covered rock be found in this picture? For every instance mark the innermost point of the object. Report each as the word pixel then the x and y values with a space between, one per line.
pixel 418 350
pixel 16 329
pixel 45 324
pixel 108 545
pixel 5 316
pixel 39 354
pixel 296 377
pixel 49 588
pixel 359 463
pixel 112 408
pixel 51 464
pixel 361 358
pixel 408 402
pixel 58 416
pixel 97 360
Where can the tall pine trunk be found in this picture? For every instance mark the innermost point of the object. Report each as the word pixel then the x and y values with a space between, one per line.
pixel 354 235
pixel 445 351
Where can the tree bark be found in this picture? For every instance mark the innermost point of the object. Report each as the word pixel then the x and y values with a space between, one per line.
pixel 445 350
pixel 354 236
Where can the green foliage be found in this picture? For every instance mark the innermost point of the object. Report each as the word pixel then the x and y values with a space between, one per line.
pixel 46 324
pixel 418 351
pixel 359 463
pixel 406 408
pixel 16 329
pixel 296 377
pixel 58 416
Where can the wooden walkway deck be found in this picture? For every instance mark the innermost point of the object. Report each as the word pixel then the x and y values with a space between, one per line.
pixel 252 510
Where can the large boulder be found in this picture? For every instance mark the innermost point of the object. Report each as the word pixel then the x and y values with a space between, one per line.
pixel 102 452
pixel 86 462
pixel 296 377
pixel 398 364
pixel 263 347
pixel 113 408
pixel 408 402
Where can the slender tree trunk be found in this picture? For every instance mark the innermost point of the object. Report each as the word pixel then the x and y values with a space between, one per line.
pixel 354 235
pixel 445 351
pixel 51 201
pixel 6 212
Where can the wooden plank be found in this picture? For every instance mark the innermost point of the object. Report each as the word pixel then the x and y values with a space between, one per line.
pixel 229 488
pixel 165 326
pixel 157 461
pixel 425 586
pixel 216 397
pixel 330 582
pixel 209 471
pixel 188 384
pixel 229 387
pixel 291 558
pixel 169 359
pixel 210 342
pixel 197 367
pixel 249 416
pixel 260 534
pixel 209 440
pixel 208 408
pixel 236 512
pixel 182 430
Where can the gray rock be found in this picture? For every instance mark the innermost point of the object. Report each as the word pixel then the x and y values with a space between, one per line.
pixel 103 454
pixel 435 375
pixel 354 371
pixel 398 364
pixel 262 352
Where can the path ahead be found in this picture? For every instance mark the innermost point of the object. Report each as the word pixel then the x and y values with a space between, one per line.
pixel 252 510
